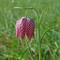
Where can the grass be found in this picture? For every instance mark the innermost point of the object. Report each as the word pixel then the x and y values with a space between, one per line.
pixel 17 49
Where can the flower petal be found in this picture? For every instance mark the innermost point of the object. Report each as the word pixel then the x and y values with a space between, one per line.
pixel 30 28
pixel 17 28
pixel 22 28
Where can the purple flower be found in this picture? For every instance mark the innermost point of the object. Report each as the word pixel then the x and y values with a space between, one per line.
pixel 25 26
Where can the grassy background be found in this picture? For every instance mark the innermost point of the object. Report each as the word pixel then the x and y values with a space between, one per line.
pixel 13 48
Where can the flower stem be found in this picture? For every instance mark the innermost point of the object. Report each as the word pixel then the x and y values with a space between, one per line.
pixel 38 32
pixel 38 35
pixel 39 41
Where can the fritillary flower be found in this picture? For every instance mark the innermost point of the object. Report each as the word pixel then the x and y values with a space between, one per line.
pixel 25 26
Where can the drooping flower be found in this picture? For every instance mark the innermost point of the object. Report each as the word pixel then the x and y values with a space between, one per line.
pixel 25 26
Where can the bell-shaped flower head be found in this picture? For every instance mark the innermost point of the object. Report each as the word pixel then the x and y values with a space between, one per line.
pixel 25 26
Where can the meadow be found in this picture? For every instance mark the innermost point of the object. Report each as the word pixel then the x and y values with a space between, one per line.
pixel 12 48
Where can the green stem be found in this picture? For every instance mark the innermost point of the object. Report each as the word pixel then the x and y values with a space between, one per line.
pixel 38 35
pixel 39 42
pixel 26 12
pixel 38 32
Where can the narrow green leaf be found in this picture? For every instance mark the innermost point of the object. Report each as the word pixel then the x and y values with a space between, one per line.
pixel 45 11
pixel 47 31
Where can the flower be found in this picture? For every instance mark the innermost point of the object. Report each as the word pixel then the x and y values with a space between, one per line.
pixel 25 26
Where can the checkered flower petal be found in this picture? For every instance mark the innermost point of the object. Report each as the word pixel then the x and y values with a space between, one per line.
pixel 20 27
pixel 30 28
pixel 25 26
pixel 17 28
